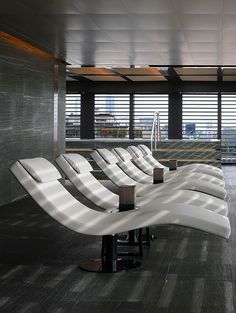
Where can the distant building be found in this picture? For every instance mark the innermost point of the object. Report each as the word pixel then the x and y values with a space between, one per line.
pixel 110 104
pixel 190 129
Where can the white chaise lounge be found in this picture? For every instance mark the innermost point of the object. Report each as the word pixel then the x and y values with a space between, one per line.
pixel 204 168
pixel 78 170
pixel 40 179
pixel 125 162
pixel 107 161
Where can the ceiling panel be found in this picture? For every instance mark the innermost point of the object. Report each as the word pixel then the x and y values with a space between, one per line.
pixel 90 71
pixel 201 36
pixel 156 21
pixel 198 78
pixel 229 78
pixel 148 7
pixel 114 21
pixel 101 6
pixel 199 6
pixel 146 78
pixel 171 32
pixel 229 21
pixel 137 71
pixel 195 71
pixel 50 7
pixel 229 6
pixel 229 71
pixel 104 78
pixel 200 21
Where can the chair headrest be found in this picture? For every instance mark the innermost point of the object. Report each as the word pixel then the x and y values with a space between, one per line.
pixel 145 149
pixel 135 151
pixel 41 169
pixel 108 156
pixel 78 162
pixel 124 155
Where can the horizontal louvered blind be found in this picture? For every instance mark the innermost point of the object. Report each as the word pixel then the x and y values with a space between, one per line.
pixel 112 115
pixel 144 108
pixel 228 123
pixel 199 116
pixel 73 115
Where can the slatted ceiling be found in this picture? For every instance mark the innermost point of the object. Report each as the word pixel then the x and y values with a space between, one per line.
pixel 121 24
pixel 146 78
pixel 144 107
pixel 196 71
pixel 199 116
pixel 112 115
pixel 138 71
pixel 104 78
pixel 229 71
pixel 229 78
pixel 73 103
pixel 198 78
pixel 89 70
pixel 228 123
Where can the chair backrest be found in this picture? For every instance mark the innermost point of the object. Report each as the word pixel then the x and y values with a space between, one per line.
pixel 149 157
pixel 135 152
pixel 145 149
pixel 122 154
pixel 40 179
pixel 78 170
pixel 129 167
pixel 140 161
pixel 106 160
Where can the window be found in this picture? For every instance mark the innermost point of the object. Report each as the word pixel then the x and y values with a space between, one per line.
pixel 112 116
pixel 144 108
pixel 72 115
pixel 228 125
pixel 199 115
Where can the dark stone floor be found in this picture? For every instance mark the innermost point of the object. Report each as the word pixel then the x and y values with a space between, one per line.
pixel 184 270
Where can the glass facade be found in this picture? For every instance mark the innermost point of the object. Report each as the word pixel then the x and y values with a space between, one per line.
pixel 73 115
pixel 112 116
pixel 228 125
pixel 199 116
pixel 144 108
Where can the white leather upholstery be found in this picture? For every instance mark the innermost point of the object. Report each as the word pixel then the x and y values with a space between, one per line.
pixel 195 167
pixel 138 175
pixel 86 183
pixel 123 154
pixel 64 208
pixel 41 169
pixel 108 156
pixel 93 190
pixel 79 163
pixel 135 152
pixel 145 150
pixel 192 173
pixel 120 178
pixel 129 168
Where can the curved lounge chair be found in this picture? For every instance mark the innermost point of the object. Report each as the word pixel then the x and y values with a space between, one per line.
pixel 40 179
pixel 125 162
pixel 107 161
pixel 204 168
pixel 78 170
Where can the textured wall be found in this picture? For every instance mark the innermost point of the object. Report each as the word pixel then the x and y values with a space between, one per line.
pixel 27 95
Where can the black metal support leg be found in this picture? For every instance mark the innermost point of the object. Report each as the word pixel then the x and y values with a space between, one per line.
pixel 109 253
pixel 109 263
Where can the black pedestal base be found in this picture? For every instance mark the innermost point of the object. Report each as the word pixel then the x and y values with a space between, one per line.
pixel 100 267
